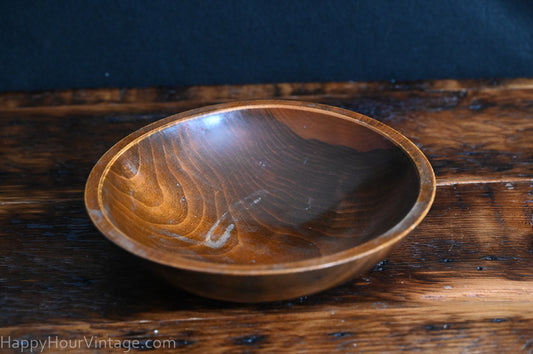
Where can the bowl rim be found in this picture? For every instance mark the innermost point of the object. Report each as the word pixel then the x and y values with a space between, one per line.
pixel 416 214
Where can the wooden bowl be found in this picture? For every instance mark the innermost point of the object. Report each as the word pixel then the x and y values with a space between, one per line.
pixel 260 200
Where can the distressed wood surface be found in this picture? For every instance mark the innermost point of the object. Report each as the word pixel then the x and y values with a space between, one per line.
pixel 461 282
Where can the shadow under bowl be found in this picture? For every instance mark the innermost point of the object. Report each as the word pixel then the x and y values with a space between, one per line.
pixel 260 200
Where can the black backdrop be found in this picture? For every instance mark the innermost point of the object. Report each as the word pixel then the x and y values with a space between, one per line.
pixel 94 43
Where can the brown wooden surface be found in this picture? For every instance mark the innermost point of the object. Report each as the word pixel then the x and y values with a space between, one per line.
pixel 461 282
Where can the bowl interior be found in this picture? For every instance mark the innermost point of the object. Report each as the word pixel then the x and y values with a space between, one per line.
pixel 258 185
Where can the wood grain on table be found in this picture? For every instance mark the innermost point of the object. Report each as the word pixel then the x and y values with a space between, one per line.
pixel 461 282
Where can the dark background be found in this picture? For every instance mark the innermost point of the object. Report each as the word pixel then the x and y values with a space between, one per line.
pixel 81 44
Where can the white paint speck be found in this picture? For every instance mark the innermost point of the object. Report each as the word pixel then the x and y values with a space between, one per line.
pixel 447 287
pixel 179 237
pixel 156 331
pixel 132 167
pixel 96 214
pixel 509 185
pixel 221 241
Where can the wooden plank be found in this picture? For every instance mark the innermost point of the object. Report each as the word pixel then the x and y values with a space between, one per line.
pixel 464 328
pixel 475 246
pixel 86 97
pixel 468 135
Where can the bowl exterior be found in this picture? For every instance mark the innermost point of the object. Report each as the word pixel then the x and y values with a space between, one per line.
pixel 272 287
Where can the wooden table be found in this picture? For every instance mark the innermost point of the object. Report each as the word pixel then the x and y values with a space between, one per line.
pixel 461 282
